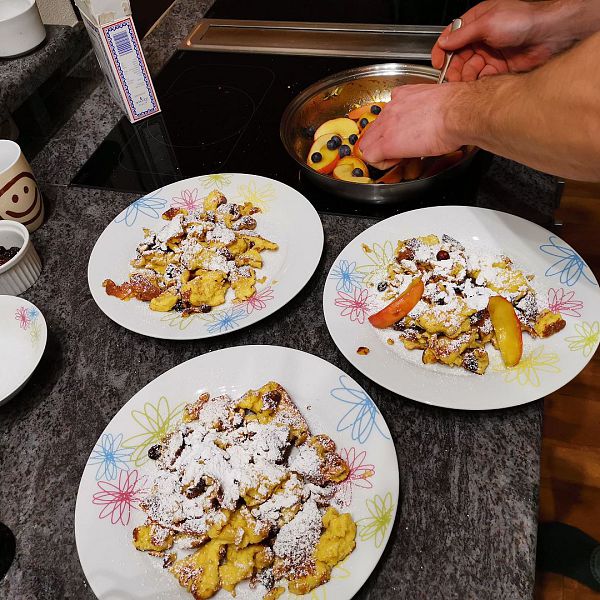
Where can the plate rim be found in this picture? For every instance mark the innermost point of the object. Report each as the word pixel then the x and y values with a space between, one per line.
pixel 296 289
pixel 42 347
pixel 364 366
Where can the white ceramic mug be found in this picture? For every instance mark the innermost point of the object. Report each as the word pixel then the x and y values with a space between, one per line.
pixel 20 198
pixel 21 27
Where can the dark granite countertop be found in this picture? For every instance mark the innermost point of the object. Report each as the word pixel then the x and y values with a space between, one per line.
pixel 20 77
pixel 466 524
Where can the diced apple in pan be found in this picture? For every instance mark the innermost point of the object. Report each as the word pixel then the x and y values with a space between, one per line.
pixel 320 158
pixel 394 175
pixel 507 329
pixel 352 169
pixel 341 126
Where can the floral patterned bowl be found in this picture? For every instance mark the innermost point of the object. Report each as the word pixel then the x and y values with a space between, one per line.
pixel 116 472
pixel 568 285
pixel 22 343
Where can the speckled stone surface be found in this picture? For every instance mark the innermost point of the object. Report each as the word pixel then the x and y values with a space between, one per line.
pixel 517 189
pixel 20 77
pixel 466 524
pixel 468 500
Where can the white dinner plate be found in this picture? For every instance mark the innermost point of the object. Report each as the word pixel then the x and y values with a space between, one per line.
pixel 287 218
pixel 547 364
pixel 332 403
pixel 23 336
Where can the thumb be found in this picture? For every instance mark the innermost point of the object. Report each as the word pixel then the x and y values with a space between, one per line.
pixel 467 34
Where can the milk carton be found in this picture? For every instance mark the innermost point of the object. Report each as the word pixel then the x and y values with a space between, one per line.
pixel 116 44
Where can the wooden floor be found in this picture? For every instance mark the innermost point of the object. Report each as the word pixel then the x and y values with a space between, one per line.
pixel 570 478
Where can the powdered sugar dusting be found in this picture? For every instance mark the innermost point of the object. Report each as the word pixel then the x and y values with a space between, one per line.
pixel 297 539
pixel 226 457
pixel 305 461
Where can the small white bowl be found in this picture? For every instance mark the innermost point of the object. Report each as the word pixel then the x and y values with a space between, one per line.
pixel 21 271
pixel 22 342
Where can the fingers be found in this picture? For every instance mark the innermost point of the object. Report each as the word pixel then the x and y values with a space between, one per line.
pixel 372 143
pixel 370 138
pixel 382 153
pixel 470 16
pixel 488 70
pixel 473 67
pixel 469 63
pixel 494 58
pixel 385 164
pixel 437 52
pixel 437 56
pixel 374 154
pixel 457 63
pixel 469 33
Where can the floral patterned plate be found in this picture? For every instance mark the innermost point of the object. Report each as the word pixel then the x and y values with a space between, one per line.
pixel 547 364
pixel 286 218
pixel 116 472
pixel 22 341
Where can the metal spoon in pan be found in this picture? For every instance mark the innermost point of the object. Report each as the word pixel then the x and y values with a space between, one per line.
pixel 456 24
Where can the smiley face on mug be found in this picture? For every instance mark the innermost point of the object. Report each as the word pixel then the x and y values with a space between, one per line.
pixel 20 200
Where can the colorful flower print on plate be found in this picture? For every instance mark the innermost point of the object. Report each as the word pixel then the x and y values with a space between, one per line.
pixel 23 333
pixel 563 281
pixel 286 218
pixel 116 473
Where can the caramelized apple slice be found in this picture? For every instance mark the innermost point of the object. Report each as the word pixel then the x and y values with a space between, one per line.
pixel 360 111
pixel 365 120
pixel 394 175
pixel 356 149
pixel 356 163
pixel 329 158
pixel 400 307
pixel 318 144
pixel 346 170
pixel 507 329
pixel 342 126
pixel 413 168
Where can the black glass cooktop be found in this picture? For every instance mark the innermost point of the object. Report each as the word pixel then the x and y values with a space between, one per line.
pixel 221 113
pixel 405 12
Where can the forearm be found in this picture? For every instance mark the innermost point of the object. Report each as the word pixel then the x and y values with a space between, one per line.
pixel 548 119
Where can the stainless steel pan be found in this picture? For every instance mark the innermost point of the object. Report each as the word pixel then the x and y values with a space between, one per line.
pixel 333 97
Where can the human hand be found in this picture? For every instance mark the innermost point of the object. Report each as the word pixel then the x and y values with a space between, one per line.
pixel 414 123
pixel 500 36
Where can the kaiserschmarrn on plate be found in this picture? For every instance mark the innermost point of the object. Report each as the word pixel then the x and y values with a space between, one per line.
pixel 448 316
pixel 242 490
pixel 196 258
